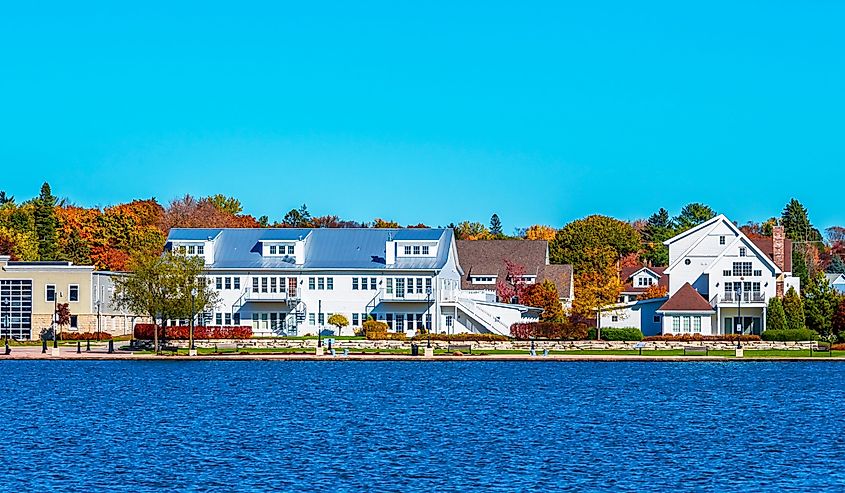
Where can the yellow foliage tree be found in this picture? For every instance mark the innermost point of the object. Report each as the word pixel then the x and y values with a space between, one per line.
pixel 540 232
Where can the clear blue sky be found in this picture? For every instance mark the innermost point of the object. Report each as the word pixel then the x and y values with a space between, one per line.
pixel 430 111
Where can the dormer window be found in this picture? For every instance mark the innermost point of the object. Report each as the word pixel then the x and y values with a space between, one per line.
pixel 425 249
pixel 290 249
pixel 407 249
pixel 272 249
pixel 416 249
pixel 200 249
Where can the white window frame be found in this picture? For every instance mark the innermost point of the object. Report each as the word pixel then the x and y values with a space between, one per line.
pixel 69 290
pixel 55 293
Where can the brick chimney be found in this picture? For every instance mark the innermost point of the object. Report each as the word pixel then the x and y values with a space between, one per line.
pixel 778 254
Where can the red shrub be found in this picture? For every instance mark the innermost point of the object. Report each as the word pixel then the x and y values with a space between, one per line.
pixel 85 336
pixel 549 330
pixel 182 332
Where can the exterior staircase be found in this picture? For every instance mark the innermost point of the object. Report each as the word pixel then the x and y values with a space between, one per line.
pixel 474 310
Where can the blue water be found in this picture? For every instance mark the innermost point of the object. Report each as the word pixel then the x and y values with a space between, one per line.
pixel 416 426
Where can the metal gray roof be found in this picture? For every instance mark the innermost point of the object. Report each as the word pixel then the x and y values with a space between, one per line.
pixel 325 248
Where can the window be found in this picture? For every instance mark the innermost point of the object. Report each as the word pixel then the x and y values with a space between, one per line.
pixel 290 249
pixel 272 249
pixel 237 318
pixel 373 283
pixel 449 321
pixel 742 251
pixel 656 319
pixel 410 285
pixel 726 273
pixel 254 321
pixel 73 292
pixel 218 283
pixel 354 319
pixel 354 283
pixel 50 293
pixel 721 240
pixel 254 284
pixel 273 284
pixel 416 249
pixel 321 318
pixel 428 285
pixel 686 324
pixel 364 284
pixel 228 283
pixel 263 284
pixel 428 322
pixel 192 250
pixel 758 273
pixel 407 249
pixel 311 319
pixel 400 287
pixel 389 321
pixel 696 324
pixel 330 283
pixel 74 322
pixel 200 249
pixel 311 283
pixel 237 282
pixel 218 318
pixel 321 283
pixel 420 321
pixel 676 324
pixel 389 288
pixel 742 268
pixel 425 250
pixel 281 284
pixel 615 318
pixel 400 322
pixel 228 319
pixel 419 285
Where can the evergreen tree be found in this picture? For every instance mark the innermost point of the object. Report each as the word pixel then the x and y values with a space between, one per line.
pixel 796 223
pixel 820 304
pixel 46 224
pixel 659 227
pixel 692 215
pixel 496 226
pixel 837 265
pixel 775 315
pixel 4 199
pixel 794 310
pixel 76 250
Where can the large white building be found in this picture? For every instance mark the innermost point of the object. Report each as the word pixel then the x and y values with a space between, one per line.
pixel 289 281
pixel 719 282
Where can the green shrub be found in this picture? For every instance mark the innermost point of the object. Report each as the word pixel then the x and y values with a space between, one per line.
pixel 617 334
pixel 699 337
pixel 790 335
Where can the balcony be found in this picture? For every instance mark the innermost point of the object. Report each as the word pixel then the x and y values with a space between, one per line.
pixel 406 296
pixel 266 297
pixel 749 297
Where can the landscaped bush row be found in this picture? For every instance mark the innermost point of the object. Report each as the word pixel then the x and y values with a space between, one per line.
pixel 617 334
pixel 699 337
pixel 549 330
pixel 84 336
pixel 145 331
pixel 466 337
pixel 790 335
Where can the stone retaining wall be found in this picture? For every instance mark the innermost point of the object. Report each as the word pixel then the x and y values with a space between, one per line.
pixel 260 343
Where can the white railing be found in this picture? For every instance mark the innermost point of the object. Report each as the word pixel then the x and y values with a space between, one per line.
pixel 745 297
pixel 253 296
pixel 470 307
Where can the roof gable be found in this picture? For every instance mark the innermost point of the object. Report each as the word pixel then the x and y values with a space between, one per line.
pixel 686 299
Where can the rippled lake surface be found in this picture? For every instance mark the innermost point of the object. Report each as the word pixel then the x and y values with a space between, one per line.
pixel 416 426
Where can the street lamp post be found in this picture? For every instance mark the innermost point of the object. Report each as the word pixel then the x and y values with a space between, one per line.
pixel 191 348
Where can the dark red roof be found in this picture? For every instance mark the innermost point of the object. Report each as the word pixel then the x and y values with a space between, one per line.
pixel 764 243
pixel 687 299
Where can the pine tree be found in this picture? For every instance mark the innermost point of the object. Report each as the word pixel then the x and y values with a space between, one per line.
pixel 658 228
pixel 46 224
pixel 837 265
pixel 692 215
pixel 775 315
pixel 4 199
pixel 76 250
pixel 796 223
pixel 496 226
pixel 794 310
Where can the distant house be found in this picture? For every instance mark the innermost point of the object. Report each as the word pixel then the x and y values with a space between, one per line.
pixel 637 280
pixel 837 281
pixel 483 262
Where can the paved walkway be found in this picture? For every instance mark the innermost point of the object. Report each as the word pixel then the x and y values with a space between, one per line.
pixel 100 352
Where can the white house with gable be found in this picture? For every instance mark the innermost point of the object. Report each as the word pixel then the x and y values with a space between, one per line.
pixel 288 281
pixel 720 280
